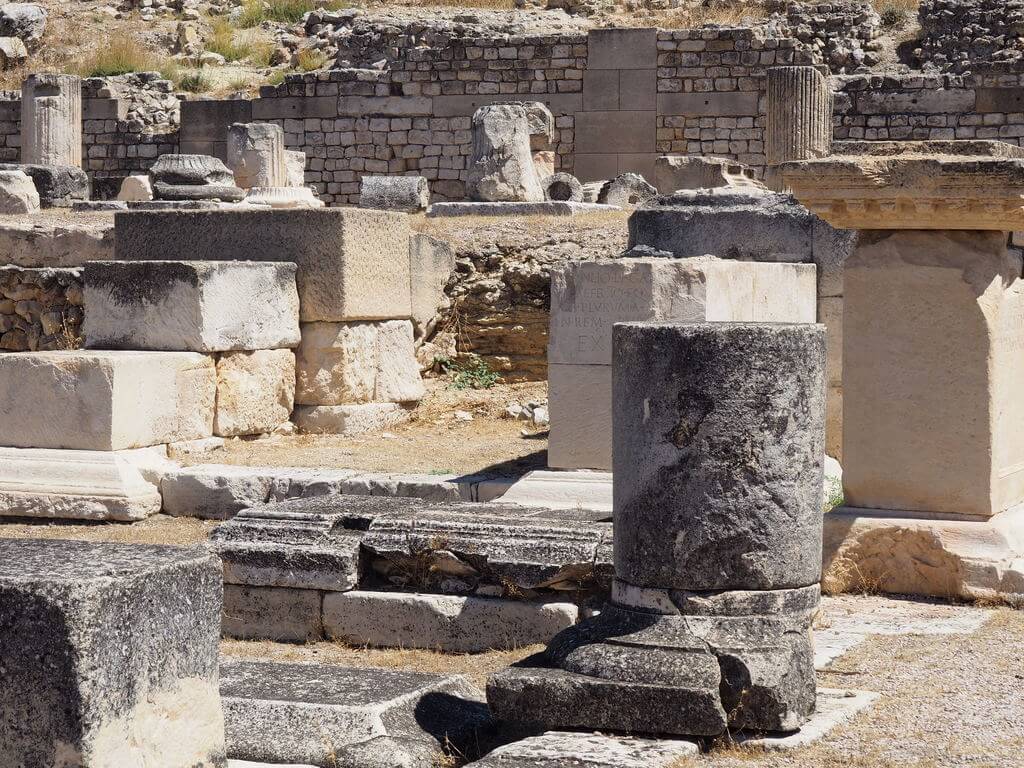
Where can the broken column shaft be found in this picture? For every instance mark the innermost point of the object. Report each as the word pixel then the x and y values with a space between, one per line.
pixel 51 120
pixel 718 449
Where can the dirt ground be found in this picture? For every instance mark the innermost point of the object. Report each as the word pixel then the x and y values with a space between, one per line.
pixel 434 442
pixel 158 529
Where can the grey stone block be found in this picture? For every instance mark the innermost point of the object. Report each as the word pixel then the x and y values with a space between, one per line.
pixel 622 49
pixel 547 208
pixel 678 441
pixel 431 263
pixel 442 622
pixel 58 185
pixel 362 718
pixel 279 614
pixel 227 193
pixel 198 306
pixel 559 749
pixel 630 131
pixel 109 655
pixel 409 194
pixel 352 264
pixel 190 170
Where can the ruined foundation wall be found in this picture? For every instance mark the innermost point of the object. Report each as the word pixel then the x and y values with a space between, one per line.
pixel 40 309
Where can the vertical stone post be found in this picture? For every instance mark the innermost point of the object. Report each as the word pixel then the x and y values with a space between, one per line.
pixel 799 123
pixel 51 120
pixel 719 433
pixel 256 155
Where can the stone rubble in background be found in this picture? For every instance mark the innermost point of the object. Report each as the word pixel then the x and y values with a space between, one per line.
pixel 40 309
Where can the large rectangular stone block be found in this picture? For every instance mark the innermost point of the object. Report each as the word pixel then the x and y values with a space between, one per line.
pixel 196 306
pixel 255 391
pixel 619 131
pixel 109 656
pixel 587 298
pixel 723 104
pixel 105 401
pixel 580 436
pixel 353 264
pixel 622 49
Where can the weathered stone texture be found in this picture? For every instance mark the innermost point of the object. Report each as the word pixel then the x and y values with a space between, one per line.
pixel 501 168
pixel 51 120
pixel 255 154
pixel 255 391
pixel 409 194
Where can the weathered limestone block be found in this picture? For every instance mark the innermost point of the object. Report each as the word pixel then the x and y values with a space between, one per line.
pixel 77 485
pixel 58 186
pixel 105 401
pixel 431 263
pixel 473 548
pixel 409 194
pixel 448 623
pixel 295 167
pixel 349 419
pixel 347 363
pixel 255 391
pixel 626 190
pixel 580 407
pixel 501 168
pixel 278 614
pixel 110 655
pixel 136 187
pixel 555 749
pixel 676 172
pixel 308 544
pixel 675 477
pixel 799 124
pixel 285 198
pixel 352 264
pixel 255 154
pixel 588 297
pixel 51 120
pixel 201 306
pixel 324 714
pixel 17 194
pixel 563 186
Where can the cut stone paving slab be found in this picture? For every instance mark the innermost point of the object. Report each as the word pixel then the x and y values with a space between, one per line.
pixel 353 264
pixel 833 708
pixel 110 655
pixel 197 306
pixel 560 749
pixel 99 400
pixel 442 622
pixel 328 716
pixel 81 485
pixel 578 489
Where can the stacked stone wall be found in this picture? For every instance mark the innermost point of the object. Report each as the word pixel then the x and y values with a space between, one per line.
pixel 40 309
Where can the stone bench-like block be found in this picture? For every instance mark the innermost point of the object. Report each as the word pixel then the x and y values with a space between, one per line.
pixel 352 264
pixel 105 401
pixel 195 306
pixel 79 485
pixel 330 715
pixel 109 655
pixel 449 623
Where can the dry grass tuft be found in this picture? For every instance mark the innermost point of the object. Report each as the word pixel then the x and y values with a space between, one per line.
pixel 845 576
pixel 120 55
pixel 730 14
pixel 896 13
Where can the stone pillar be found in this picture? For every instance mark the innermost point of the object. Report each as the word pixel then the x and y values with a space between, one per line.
pixel 501 168
pixel 716 568
pixel 255 153
pixel 51 120
pixel 799 123
pixel 933 356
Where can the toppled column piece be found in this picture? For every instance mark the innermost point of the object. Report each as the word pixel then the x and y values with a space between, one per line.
pixel 627 190
pixel 17 194
pixel 58 186
pixel 190 306
pixel 193 177
pixel 409 194
pixel 51 120
pixel 676 172
pixel 563 186
pixel 501 168
pixel 716 575
pixel 255 154
pixel 110 655
pixel 799 123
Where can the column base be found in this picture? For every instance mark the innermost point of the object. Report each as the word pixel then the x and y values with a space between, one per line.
pixel 899 552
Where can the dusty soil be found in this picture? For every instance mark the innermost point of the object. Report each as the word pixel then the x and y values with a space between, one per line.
pixel 434 442
pixel 159 529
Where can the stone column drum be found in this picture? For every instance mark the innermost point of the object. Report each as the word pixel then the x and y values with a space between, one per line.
pixel 501 169
pixel 51 120
pixel 799 125
pixel 718 448
pixel 256 155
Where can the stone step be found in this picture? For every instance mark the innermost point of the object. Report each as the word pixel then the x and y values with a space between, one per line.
pixel 557 749
pixel 328 715
pixel 192 306
pixel 105 400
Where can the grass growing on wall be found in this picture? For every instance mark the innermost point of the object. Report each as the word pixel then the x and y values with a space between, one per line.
pixel 255 12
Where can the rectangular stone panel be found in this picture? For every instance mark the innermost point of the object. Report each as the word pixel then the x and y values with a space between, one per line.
pixel 627 132
pixel 465 106
pixel 104 401
pixel 600 90
pixel 999 100
pixel 392 106
pixel 277 614
pixel 255 391
pixel 587 298
pixel 580 406
pixel 622 49
pixel 727 104
pixel 923 102
pixel 353 264
pixel 295 108
pixel 638 89
pixel 595 166
pixel 190 306
pixel 110 655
